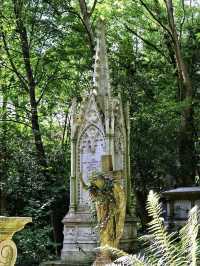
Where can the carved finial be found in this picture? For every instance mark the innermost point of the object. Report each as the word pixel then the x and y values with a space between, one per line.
pixel 101 71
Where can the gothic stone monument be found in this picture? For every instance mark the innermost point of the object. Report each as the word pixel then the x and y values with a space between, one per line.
pixel 100 126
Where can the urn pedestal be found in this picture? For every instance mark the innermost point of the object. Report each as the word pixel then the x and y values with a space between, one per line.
pixel 8 227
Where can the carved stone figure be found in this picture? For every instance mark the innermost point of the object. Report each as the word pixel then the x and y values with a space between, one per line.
pixel 107 193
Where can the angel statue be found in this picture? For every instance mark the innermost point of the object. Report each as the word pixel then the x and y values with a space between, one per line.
pixel 107 192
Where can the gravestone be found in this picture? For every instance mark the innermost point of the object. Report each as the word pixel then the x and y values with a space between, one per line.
pixel 99 126
pixel 179 202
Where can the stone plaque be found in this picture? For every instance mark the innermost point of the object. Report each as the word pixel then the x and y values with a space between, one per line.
pixel 92 147
pixel 181 209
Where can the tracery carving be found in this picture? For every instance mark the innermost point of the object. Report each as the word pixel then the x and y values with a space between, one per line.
pixel 90 140
pixel 119 148
pixel 91 147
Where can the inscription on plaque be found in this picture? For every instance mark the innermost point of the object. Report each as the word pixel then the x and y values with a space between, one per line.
pixel 92 147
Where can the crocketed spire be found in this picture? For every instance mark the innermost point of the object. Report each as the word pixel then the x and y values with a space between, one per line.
pixel 101 71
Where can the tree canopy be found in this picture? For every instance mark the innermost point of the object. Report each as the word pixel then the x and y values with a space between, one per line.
pixel 46 60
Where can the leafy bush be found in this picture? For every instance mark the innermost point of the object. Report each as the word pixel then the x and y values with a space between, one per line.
pixel 34 244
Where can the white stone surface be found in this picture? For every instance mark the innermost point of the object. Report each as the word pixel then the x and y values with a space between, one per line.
pixel 91 146
pixel 183 190
pixel 182 208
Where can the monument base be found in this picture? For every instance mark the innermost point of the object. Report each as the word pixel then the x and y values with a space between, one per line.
pixel 81 239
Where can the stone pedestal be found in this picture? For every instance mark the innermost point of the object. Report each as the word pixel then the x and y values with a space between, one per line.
pixel 80 239
pixel 8 249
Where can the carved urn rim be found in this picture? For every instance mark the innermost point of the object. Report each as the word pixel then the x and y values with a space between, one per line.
pixel 10 225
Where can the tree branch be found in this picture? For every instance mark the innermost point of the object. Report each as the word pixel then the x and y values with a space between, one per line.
pixel 93 8
pixel 155 18
pixel 13 106
pixel 15 121
pixel 86 22
pixel 13 67
pixel 65 127
pixel 147 42
pixel 33 23
pixel 183 20
pixel 47 83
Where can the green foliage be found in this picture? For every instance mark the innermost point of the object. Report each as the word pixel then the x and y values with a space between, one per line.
pixel 34 244
pixel 61 60
pixel 30 194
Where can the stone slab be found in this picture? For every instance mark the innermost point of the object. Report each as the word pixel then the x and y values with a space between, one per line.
pixel 63 263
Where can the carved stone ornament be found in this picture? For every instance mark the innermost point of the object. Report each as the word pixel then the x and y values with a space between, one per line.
pixel 8 249
pixel 8 253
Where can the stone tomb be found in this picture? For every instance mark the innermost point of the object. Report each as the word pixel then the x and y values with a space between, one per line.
pixel 99 126
pixel 179 202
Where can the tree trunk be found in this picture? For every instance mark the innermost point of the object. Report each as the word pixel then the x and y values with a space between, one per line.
pixel 31 84
pixel 186 134
pixel 3 157
pixel 87 23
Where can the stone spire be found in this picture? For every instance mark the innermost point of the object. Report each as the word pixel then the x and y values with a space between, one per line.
pixel 101 71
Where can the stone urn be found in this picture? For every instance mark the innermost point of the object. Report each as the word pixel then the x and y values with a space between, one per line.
pixel 8 227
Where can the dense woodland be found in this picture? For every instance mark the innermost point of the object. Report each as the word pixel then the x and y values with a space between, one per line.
pixel 46 58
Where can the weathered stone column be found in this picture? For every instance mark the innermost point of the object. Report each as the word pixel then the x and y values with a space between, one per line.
pixel 73 199
pixel 130 204
pixel 8 249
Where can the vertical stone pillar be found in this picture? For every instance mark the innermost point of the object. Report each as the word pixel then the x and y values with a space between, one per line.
pixel 129 185
pixel 73 198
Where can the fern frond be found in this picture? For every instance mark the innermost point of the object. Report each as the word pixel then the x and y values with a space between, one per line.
pixel 188 234
pixel 163 244
pixel 131 260
pixel 125 258
pixel 163 249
